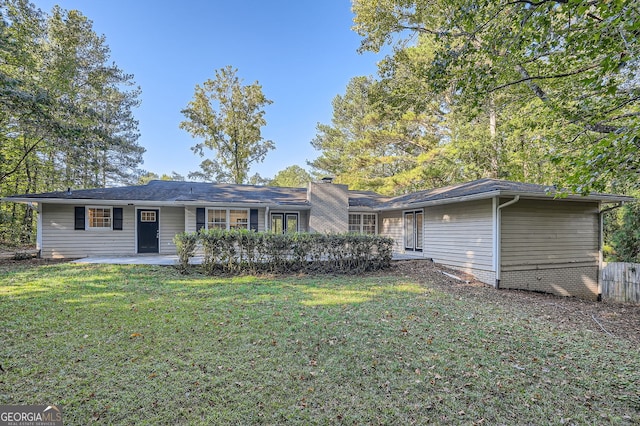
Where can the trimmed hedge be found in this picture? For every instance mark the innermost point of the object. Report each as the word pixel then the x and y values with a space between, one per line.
pixel 185 247
pixel 244 251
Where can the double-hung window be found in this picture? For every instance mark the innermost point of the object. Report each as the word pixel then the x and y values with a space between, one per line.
pixel 238 219
pixel 217 219
pixel 363 223
pixel 227 219
pixel 99 217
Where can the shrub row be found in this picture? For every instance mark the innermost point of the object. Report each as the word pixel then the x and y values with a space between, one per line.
pixel 242 251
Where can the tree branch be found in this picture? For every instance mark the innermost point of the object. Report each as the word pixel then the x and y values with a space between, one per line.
pixel 534 3
pixel 526 78
pixel 21 160
pixel 601 128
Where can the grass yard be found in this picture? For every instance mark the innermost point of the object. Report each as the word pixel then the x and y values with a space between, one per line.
pixel 146 345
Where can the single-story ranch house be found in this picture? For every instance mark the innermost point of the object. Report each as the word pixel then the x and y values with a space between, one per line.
pixel 507 234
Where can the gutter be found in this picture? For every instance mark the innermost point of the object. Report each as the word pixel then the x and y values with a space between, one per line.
pixel 161 203
pixel 497 233
pixel 606 198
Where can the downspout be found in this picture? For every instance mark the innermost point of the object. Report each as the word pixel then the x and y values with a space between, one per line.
pixel 497 246
pixel 266 219
pixel 601 243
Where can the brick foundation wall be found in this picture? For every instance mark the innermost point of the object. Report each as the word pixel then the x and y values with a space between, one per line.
pixel 579 281
pixel 487 277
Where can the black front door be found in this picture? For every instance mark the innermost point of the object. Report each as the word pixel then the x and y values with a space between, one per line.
pixel 148 231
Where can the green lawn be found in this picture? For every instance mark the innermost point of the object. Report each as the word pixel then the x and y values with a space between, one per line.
pixel 139 344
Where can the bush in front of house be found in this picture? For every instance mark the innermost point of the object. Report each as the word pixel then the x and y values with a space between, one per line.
pixel 244 251
pixel 186 244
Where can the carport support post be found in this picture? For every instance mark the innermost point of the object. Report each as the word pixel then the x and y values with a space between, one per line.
pixel 601 213
pixel 38 208
pixel 497 231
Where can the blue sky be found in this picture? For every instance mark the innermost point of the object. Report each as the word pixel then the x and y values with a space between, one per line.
pixel 303 53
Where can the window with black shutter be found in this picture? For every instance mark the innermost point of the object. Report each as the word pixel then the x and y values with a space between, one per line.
pixel 200 218
pixel 117 218
pixel 79 218
pixel 253 220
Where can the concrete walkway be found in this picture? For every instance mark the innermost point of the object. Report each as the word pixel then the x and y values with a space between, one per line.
pixel 157 259
pixel 165 259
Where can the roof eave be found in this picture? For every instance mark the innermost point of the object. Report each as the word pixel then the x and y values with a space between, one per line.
pixel 156 203
pixel 606 198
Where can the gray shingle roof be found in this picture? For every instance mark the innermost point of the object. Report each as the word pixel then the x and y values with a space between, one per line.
pixel 366 199
pixel 479 188
pixel 201 193
pixel 172 191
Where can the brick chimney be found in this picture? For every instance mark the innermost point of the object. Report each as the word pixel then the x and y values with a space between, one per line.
pixel 329 207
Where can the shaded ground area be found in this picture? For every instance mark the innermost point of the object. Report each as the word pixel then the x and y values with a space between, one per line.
pixel 608 318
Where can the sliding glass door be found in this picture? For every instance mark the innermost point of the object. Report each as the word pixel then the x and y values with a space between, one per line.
pixel 282 223
pixel 413 230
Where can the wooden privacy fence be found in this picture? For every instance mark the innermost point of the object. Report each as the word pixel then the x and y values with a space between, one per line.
pixel 621 282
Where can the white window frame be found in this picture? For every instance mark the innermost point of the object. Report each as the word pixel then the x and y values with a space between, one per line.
pixel 418 236
pixel 284 214
pixel 155 216
pixel 87 220
pixel 361 215
pixel 227 217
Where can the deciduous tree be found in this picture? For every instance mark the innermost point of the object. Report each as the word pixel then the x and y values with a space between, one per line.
pixel 292 176
pixel 228 116
pixel 577 59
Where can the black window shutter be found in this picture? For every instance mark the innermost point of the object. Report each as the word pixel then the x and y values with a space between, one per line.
pixel 200 221
pixel 253 220
pixel 79 218
pixel 117 218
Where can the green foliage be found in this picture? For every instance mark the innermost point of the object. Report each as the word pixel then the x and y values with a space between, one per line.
pixel 186 243
pixel 291 177
pixel 146 177
pixel 370 147
pixel 241 250
pixel 228 116
pixel 625 240
pixel 560 75
pixel 65 110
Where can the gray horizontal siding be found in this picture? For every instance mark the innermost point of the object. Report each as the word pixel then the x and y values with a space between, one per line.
pixel 460 235
pixel 391 225
pixel 171 223
pixel 549 234
pixel 60 240
pixel 304 221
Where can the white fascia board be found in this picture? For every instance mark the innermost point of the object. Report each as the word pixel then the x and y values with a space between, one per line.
pixel 481 196
pixel 86 201
pixel 605 198
pixel 92 201
pixel 356 209
pixel 523 195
